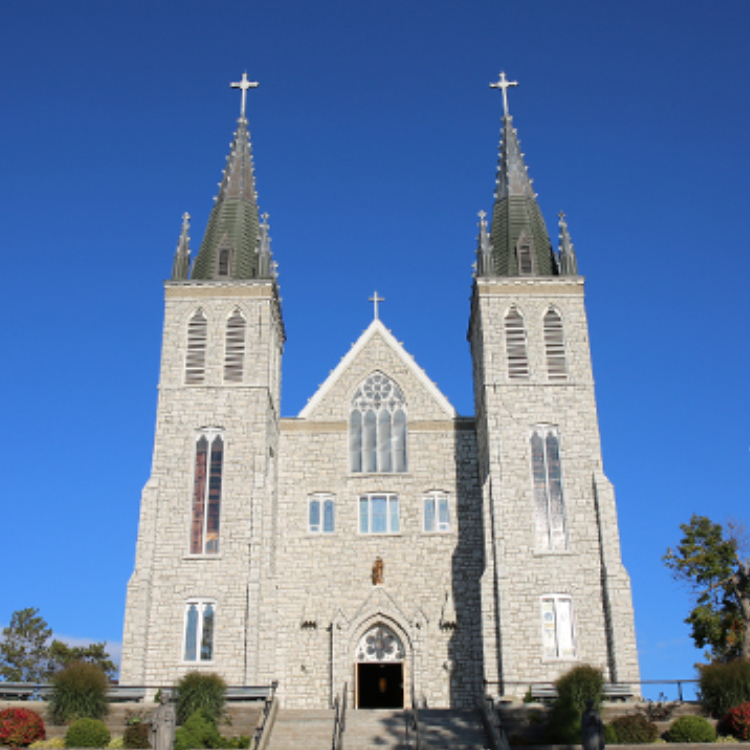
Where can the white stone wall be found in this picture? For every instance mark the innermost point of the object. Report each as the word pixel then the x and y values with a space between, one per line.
pixel 519 574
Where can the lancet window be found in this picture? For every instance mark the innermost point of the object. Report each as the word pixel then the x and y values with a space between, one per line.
pixel 549 508
pixel 558 631
pixel 206 507
pixel 377 427
pixel 554 345
pixel 200 620
pixel 234 347
pixel 515 345
pixel 197 338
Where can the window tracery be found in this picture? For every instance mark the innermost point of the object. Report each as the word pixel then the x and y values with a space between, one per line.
pixel 380 644
pixel 377 427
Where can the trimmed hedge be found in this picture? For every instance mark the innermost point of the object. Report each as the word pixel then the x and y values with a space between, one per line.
pixel 691 729
pixel 634 730
pixel 19 727
pixel 87 733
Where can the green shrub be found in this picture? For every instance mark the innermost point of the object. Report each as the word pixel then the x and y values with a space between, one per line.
pixel 137 736
pixel 116 743
pixel 78 692
pixel 737 721
pixel 581 684
pixel 198 690
pixel 634 730
pixel 198 731
pixel 723 686
pixel 610 735
pixel 54 743
pixel 691 729
pixel 231 743
pixel 87 733
pixel 20 727
pixel 563 724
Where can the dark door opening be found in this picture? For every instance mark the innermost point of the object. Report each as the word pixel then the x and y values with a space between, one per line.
pixel 380 685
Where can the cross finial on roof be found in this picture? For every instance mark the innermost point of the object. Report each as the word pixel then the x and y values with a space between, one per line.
pixel 375 299
pixel 504 84
pixel 244 84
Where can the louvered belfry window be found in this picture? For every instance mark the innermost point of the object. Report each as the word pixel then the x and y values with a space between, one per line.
pixel 554 344
pixel 549 507
pixel 234 348
pixel 515 345
pixel 204 529
pixel 377 427
pixel 195 362
pixel 223 261
pixel 525 255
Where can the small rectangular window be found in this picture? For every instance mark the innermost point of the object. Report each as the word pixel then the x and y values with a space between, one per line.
pixel 379 514
pixel 436 512
pixel 321 514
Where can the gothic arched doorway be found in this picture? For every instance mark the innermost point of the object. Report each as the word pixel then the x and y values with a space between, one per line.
pixel 380 669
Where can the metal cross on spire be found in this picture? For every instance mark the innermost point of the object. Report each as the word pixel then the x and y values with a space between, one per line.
pixel 375 299
pixel 244 84
pixel 504 84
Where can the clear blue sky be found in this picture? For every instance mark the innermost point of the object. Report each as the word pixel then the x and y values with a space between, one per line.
pixel 375 137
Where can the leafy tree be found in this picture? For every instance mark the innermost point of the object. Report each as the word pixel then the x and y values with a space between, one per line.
pixel 23 649
pixel 708 560
pixel 61 655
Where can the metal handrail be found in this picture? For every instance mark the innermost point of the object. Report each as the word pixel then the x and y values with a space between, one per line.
pixel 263 727
pixel 531 683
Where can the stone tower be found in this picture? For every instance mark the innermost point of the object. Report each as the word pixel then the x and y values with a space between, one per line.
pixel 216 448
pixel 554 591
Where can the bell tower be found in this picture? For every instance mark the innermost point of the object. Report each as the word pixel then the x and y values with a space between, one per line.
pixel 205 532
pixel 554 590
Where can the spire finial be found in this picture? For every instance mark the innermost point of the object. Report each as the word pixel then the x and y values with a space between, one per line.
pixel 503 84
pixel 244 84
pixel 568 260
pixel 375 299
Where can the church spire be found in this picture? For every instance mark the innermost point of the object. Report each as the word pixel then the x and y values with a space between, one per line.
pixel 518 234
pixel 181 265
pixel 231 245
pixel 568 261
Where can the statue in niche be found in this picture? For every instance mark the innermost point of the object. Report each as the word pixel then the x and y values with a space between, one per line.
pixel 377 572
pixel 163 722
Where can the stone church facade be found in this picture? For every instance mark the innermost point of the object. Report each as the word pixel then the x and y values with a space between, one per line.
pixel 458 551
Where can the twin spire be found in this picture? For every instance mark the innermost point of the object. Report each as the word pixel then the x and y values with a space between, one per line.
pixel 517 243
pixel 236 244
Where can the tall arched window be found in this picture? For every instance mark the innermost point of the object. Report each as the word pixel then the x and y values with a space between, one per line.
pixel 515 345
pixel 549 507
pixel 200 616
pixel 234 347
pixel 204 527
pixel 197 338
pixel 377 427
pixel 554 345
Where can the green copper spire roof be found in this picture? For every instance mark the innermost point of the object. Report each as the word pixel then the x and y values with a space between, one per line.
pixel 231 245
pixel 518 234
pixel 181 265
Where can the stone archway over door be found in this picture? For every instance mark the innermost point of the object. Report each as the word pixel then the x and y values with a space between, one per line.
pixel 379 665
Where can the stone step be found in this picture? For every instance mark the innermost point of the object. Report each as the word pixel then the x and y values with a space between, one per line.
pixel 452 728
pixel 311 730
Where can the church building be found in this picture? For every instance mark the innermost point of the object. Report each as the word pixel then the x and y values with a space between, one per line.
pixel 459 552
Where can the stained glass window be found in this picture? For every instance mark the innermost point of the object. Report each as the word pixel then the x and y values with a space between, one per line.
pixel 549 508
pixel 206 506
pixel 558 633
pixel 377 427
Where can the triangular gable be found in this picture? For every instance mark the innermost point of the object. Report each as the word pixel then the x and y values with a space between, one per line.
pixel 377 328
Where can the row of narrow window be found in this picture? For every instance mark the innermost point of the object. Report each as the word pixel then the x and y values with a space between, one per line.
pixel 379 513
pixel 516 345
pixel 197 343
pixel 558 629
